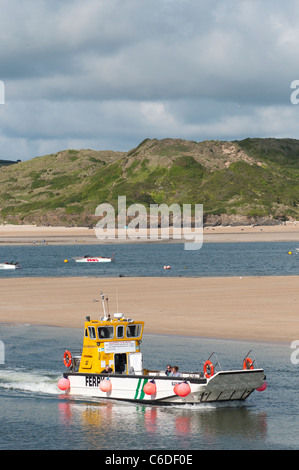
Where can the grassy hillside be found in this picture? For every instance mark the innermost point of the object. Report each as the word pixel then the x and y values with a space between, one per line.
pixel 238 182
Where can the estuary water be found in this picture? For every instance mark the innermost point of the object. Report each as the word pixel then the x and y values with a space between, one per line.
pixel 149 259
pixel 35 415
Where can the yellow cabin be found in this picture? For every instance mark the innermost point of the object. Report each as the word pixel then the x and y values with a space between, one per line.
pixel 113 342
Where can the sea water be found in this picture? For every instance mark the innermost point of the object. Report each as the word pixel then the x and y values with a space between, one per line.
pixel 34 414
pixel 149 259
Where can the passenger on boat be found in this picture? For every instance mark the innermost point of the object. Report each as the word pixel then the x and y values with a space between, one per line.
pixel 168 369
pixel 174 372
pixel 107 370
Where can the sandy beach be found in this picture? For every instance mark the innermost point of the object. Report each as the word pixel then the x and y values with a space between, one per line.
pixel 250 308
pixel 29 234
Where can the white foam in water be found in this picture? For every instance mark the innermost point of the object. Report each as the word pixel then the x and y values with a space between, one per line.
pixel 29 381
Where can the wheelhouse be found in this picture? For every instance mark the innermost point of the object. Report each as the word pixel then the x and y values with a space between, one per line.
pixel 114 342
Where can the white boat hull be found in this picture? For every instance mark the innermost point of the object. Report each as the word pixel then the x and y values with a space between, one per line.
pixel 9 266
pixel 93 260
pixel 223 386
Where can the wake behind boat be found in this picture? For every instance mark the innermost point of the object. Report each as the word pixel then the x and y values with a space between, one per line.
pixel 110 366
pixel 94 259
pixel 11 265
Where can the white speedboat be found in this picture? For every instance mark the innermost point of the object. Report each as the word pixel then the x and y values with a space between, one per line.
pixel 110 366
pixel 10 265
pixel 94 259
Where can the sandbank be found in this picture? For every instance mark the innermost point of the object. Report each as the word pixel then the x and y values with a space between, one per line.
pixel 249 308
pixel 29 234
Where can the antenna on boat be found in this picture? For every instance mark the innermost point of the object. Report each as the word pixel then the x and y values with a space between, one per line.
pixel 108 308
pixel 103 303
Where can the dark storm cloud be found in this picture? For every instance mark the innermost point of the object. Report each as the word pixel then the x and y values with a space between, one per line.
pixel 108 74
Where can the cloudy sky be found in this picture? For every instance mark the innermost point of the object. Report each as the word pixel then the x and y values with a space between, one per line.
pixel 106 74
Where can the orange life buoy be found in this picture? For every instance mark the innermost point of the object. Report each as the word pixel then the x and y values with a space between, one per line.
pixel 247 364
pixel 67 358
pixel 208 369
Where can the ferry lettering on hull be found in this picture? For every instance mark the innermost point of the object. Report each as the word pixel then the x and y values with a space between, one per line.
pixel 92 380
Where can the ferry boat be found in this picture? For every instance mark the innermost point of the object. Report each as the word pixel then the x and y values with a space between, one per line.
pixel 110 366
pixel 94 259
pixel 10 265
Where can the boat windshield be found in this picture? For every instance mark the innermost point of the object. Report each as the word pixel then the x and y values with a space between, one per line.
pixel 92 332
pixel 105 332
pixel 133 331
pixel 120 331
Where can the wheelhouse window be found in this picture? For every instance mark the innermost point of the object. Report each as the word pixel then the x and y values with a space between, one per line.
pixel 120 331
pixel 106 332
pixel 133 331
pixel 92 332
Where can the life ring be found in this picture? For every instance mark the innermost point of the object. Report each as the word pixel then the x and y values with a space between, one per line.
pixel 208 369
pixel 67 358
pixel 248 364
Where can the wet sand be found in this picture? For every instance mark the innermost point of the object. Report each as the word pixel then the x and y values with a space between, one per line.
pixel 249 308
pixel 29 234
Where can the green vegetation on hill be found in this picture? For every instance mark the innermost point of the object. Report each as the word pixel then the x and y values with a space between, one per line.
pixel 253 180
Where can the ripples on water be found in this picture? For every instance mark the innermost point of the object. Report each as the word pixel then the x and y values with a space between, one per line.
pixel 149 259
pixel 35 415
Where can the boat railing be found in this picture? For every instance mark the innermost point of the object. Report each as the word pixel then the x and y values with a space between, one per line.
pixel 184 375
pixel 214 359
pixel 159 373
pixel 252 360
pixel 197 375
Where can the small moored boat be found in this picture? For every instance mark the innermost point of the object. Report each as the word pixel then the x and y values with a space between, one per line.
pixel 94 259
pixel 110 366
pixel 11 265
